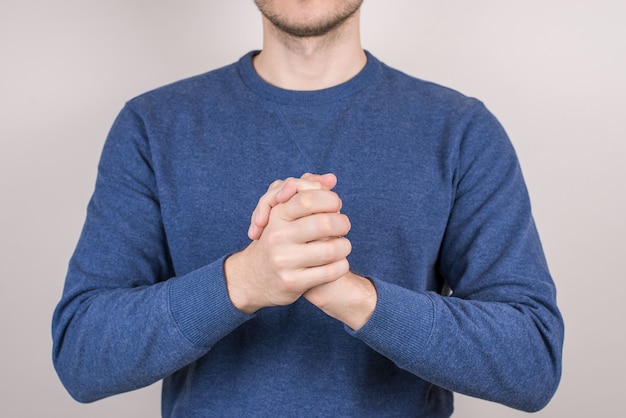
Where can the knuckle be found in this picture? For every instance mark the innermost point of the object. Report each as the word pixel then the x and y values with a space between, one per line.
pixel 343 266
pixel 334 250
pixel 324 225
pixel 290 283
pixel 346 224
pixel 329 253
pixel 275 238
pixel 305 201
pixel 338 204
pixel 279 261
pixel 291 181
pixel 290 184
pixel 265 202
pixel 332 225
pixel 347 247
pixel 275 184
pixel 335 270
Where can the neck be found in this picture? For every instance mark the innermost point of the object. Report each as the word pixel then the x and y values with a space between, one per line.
pixel 310 63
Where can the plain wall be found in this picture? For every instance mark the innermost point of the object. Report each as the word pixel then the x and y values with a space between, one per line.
pixel 554 73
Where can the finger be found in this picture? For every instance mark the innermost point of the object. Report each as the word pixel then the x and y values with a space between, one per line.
pixel 254 232
pixel 319 227
pixel 309 202
pixel 307 181
pixel 311 254
pixel 328 180
pixel 315 276
pixel 260 214
pixel 321 253
pixel 279 192
pixel 292 186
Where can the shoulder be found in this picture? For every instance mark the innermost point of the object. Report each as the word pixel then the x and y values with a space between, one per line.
pixel 214 94
pixel 406 88
pixel 213 82
pixel 428 105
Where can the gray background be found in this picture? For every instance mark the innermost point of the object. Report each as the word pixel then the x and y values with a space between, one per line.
pixel 553 72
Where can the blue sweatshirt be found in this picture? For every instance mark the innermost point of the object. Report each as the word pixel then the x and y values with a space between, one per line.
pixel 436 199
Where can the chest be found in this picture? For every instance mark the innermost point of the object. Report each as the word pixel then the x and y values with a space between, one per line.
pixel 395 185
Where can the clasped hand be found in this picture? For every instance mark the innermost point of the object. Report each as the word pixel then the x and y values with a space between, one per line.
pixel 299 249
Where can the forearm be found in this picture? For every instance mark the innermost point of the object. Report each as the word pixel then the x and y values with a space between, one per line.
pixel 494 350
pixel 108 341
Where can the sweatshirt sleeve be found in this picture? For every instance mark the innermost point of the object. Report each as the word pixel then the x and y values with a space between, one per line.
pixel 124 320
pixel 499 335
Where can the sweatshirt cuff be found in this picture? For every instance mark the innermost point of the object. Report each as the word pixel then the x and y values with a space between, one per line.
pixel 401 324
pixel 201 307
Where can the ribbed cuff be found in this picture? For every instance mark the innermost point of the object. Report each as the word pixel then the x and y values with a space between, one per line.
pixel 200 305
pixel 401 324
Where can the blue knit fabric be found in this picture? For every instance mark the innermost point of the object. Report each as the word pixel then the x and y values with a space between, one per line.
pixel 435 196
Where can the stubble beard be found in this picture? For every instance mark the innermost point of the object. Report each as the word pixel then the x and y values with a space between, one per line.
pixel 314 29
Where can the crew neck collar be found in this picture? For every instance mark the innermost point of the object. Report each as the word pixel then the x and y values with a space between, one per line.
pixel 365 77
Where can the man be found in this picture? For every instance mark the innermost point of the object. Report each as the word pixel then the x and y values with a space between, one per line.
pixel 412 271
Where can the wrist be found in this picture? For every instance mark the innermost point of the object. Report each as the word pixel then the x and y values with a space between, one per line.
pixel 363 302
pixel 351 299
pixel 234 272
